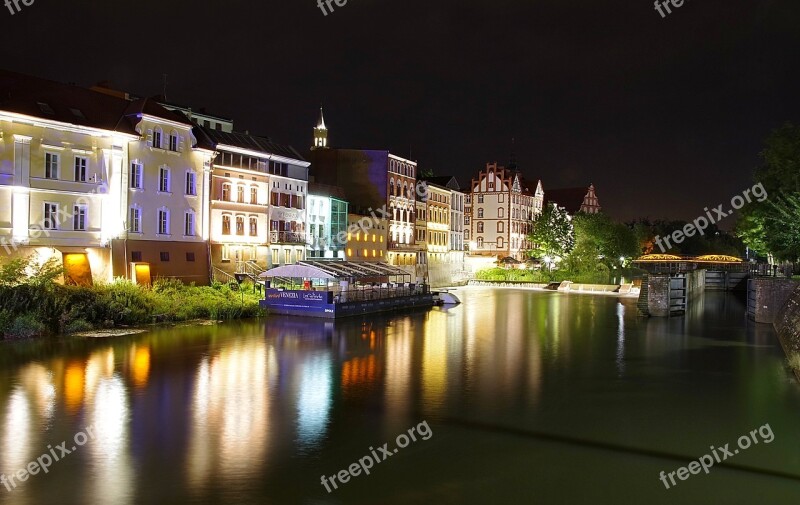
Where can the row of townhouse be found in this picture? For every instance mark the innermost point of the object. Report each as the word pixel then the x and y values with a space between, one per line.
pixel 115 186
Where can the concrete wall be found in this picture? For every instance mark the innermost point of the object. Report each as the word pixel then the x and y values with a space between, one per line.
pixel 658 292
pixel 767 296
pixel 787 324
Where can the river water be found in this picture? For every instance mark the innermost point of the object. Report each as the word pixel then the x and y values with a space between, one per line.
pixel 515 396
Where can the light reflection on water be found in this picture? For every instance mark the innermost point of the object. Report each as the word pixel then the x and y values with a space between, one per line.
pixel 255 412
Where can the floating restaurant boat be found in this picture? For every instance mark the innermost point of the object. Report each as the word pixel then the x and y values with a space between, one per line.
pixel 333 289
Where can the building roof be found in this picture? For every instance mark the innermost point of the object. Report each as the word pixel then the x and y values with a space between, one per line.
pixel 65 103
pixel 569 198
pixel 318 189
pixel 148 106
pixel 210 138
pixel 445 181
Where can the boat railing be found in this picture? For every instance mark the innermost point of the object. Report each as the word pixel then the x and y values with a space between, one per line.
pixel 378 292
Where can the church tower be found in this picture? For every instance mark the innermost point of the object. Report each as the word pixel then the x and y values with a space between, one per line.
pixel 320 133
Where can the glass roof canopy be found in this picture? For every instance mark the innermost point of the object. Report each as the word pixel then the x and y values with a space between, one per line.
pixel 354 270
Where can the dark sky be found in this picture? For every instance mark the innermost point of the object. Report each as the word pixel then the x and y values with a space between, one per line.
pixel 664 116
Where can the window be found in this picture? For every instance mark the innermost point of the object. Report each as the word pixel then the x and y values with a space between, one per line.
pixel 136 175
pixel 191 183
pixel 275 257
pixel 240 193
pixel 79 218
pixel 136 220
pixel 501 227
pixel 188 224
pixel 480 226
pixel 136 256
pixel 287 256
pixel 253 226
pixel 240 225
pixel 501 198
pixel 51 165
pixel 164 256
pixel 254 195
pixel 157 138
pixel 163 222
pixel 480 198
pixel 190 257
pixel 480 242
pixel 226 192
pixel 501 212
pixel 163 180
pixel 81 163
pixel 50 213
pixel 480 213
pixel 226 224
pixel 173 141
pixel 499 241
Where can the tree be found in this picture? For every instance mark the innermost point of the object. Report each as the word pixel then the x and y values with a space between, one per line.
pixel 552 233
pixel 601 241
pixel 771 227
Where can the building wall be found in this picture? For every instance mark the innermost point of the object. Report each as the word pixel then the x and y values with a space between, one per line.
pixel 151 198
pixel 84 212
pixel 229 207
pixel 366 238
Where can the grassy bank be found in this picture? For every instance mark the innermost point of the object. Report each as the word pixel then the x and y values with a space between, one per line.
pixel 33 302
pixel 514 274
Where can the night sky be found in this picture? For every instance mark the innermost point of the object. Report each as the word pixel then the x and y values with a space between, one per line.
pixel 664 116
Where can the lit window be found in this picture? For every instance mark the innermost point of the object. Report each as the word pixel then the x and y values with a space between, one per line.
pixel 79 218
pixel 80 168
pixel 240 225
pixel 191 183
pixel 188 224
pixel 226 192
pixel 226 224
pixel 163 180
pixel 50 213
pixel 253 226
pixel 136 220
pixel 136 175
pixel 163 222
pixel 51 165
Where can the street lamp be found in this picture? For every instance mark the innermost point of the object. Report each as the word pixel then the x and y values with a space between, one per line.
pixel 240 277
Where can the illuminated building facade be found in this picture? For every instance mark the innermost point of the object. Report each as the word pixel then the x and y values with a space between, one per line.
pixel 500 207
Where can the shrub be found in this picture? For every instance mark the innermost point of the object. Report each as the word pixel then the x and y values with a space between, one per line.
pixel 26 326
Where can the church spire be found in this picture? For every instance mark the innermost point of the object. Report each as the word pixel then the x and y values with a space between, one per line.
pixel 320 132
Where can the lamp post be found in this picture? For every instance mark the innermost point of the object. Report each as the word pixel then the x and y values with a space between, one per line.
pixel 240 277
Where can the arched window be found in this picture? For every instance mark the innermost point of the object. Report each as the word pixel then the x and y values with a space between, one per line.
pixel 158 135
pixel 226 224
pixel 226 192
pixel 480 242
pixel 501 212
pixel 480 226
pixel 499 241
pixel 501 228
pixel 391 187
pixel 480 213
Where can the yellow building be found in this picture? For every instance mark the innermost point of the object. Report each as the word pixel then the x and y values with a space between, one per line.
pixel 366 238
pixel 63 151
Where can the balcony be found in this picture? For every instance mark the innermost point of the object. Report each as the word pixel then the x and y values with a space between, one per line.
pixel 286 237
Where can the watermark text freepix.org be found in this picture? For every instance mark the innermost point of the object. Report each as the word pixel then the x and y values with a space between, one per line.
pixel 14 5
pixel 44 461
pixel 700 224
pixel 718 455
pixel 382 454
pixel 664 5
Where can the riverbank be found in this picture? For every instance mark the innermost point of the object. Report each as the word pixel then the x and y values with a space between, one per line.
pixel 33 303
pixel 563 287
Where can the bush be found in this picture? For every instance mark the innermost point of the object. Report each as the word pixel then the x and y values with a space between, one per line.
pixel 26 326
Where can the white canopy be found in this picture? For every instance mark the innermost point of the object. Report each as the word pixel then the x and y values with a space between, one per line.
pixel 298 271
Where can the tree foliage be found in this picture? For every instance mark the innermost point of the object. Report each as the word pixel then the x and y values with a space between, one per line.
pixel 772 226
pixel 552 233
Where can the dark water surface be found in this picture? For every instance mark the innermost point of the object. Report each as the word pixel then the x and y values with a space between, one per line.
pixel 524 397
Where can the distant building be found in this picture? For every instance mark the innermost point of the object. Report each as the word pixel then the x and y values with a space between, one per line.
pixel 501 205
pixel 575 200
pixel 375 182
pixel 327 216
pixel 320 133
pixel 366 238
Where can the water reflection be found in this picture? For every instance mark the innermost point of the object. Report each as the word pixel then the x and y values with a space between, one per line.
pixel 253 412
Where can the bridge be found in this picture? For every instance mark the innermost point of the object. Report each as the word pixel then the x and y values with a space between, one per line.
pixel 672 280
